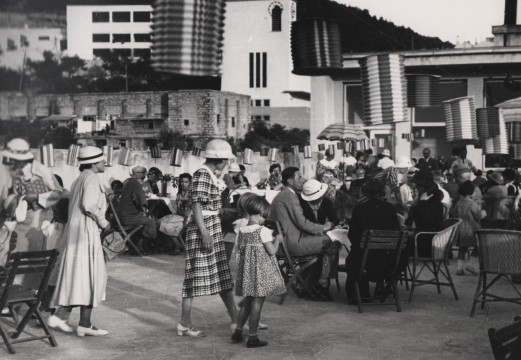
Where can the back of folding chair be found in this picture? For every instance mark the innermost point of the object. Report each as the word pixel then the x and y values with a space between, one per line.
pixel 389 240
pixel 284 246
pixel 506 342
pixel 29 262
pixel 126 235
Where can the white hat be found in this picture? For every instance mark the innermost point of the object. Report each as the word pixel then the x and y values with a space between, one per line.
pixel 90 155
pixel 218 149
pixel 386 152
pixel 403 162
pixel 18 149
pixel 234 168
pixel 313 190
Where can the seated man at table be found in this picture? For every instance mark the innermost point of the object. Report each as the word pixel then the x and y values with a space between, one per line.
pixel 374 214
pixel 303 237
pixel 133 209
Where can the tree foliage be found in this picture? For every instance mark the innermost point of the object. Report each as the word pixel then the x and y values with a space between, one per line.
pixel 276 136
pixel 171 139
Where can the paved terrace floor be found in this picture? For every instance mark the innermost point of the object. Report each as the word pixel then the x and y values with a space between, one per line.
pixel 143 307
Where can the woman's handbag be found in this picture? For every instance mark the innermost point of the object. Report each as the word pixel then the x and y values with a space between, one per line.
pixel 113 244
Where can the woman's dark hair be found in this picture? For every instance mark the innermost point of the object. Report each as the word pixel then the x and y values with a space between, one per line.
pixel 85 167
pixel 466 188
pixel 257 205
pixel 156 171
pixel 242 167
pixel 373 189
pixel 509 175
pixel 116 184
pixel 274 166
pixel 289 173
pixel 183 176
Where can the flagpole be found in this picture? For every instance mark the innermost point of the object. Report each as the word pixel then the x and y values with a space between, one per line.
pixel 22 74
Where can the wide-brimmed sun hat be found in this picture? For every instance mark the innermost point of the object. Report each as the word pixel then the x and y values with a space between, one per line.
pixel 403 162
pixel 313 190
pixel 89 155
pixel 218 149
pixel 386 152
pixel 234 168
pixel 18 149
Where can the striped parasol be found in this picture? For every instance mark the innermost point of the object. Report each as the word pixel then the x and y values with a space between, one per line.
pixel 343 132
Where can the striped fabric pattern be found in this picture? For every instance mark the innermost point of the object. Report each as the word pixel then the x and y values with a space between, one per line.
pixel 342 132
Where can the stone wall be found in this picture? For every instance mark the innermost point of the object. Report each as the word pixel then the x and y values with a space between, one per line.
pixel 189 164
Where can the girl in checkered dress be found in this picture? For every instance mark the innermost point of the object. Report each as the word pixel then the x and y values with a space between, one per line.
pixel 258 273
pixel 206 266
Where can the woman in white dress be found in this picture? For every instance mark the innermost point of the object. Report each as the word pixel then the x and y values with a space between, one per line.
pixel 82 275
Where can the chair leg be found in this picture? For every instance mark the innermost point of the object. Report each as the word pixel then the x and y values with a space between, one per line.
pixel 337 284
pixel 435 272
pixel 449 277
pixel 476 295
pixel 413 280
pixel 14 313
pixel 358 297
pixel 6 339
pixel 46 328
pixel 484 293
pixel 397 296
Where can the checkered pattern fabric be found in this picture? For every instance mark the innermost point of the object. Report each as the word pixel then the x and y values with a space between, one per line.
pixel 205 273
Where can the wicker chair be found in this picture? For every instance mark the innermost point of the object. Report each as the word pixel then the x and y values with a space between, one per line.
pixel 441 245
pixel 499 255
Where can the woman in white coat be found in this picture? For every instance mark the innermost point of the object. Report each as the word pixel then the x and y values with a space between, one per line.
pixel 82 275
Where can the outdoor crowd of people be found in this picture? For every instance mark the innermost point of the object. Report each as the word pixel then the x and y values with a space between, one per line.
pixel 366 191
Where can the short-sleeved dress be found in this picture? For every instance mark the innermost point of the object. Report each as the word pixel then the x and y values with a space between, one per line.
pixel 470 212
pixel 205 273
pixel 258 273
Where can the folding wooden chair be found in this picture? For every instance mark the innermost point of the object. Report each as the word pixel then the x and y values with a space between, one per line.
pixel 506 342
pixel 388 242
pixel 291 267
pixel 440 247
pixel 498 252
pixel 40 263
pixel 126 232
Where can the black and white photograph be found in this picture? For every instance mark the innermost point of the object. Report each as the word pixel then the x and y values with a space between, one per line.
pixel 260 179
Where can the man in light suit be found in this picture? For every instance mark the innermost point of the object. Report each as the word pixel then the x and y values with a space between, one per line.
pixel 303 237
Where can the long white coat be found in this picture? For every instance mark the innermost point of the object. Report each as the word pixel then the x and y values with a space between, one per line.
pixel 82 276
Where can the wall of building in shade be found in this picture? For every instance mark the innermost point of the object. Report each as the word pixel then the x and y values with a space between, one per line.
pixel 201 114
pixel 189 164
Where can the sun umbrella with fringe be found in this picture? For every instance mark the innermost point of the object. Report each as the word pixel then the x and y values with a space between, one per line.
pixel 343 132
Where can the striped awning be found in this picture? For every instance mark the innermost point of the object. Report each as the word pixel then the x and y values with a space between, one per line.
pixel 343 132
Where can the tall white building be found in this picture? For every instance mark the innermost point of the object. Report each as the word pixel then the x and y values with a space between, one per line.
pixel 95 27
pixel 257 61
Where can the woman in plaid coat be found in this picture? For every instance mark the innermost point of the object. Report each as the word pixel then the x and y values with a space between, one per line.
pixel 206 266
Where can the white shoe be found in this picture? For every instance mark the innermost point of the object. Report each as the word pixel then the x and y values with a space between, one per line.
pixel 55 322
pixel 189 331
pixel 92 331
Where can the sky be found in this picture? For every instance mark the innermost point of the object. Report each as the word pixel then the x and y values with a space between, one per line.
pixel 447 19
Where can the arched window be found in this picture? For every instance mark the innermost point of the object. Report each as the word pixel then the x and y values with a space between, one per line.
pixel 276 23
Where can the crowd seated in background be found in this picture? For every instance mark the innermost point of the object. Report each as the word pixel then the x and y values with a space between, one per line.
pixel 385 160
pixel 427 163
pixel 328 166
pixel 240 179
pixel 153 176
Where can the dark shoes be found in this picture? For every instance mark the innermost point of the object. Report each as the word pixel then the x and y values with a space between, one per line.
pixel 255 342
pixel 237 337
pixel 322 293
pixel 303 294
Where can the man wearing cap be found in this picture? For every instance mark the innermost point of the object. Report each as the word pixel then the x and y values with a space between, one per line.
pixel 386 160
pixel 427 163
pixel 37 186
pixel 304 237
pixel 133 208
